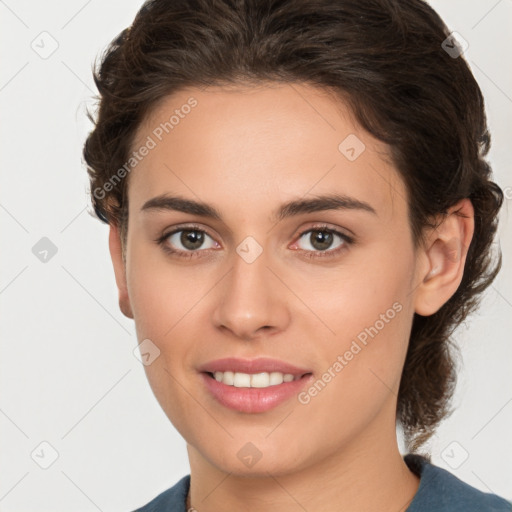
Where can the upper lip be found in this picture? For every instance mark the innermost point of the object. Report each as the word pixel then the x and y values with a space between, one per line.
pixel 259 365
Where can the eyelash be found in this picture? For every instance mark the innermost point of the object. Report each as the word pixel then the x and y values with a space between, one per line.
pixel 330 253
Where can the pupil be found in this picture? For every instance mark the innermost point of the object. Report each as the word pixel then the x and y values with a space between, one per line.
pixel 192 239
pixel 321 240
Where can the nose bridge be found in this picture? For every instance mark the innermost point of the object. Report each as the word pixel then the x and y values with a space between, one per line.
pixel 250 299
pixel 250 265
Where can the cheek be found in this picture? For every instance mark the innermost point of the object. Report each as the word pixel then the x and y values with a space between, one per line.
pixel 361 374
pixel 369 309
pixel 365 292
pixel 165 302
pixel 162 305
pixel 161 293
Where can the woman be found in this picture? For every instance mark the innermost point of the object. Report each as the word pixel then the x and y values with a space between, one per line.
pixel 300 215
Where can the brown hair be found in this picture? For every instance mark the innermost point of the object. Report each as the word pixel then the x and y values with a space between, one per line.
pixel 385 57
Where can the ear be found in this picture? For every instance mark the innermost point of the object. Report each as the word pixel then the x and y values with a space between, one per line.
pixel 443 258
pixel 114 243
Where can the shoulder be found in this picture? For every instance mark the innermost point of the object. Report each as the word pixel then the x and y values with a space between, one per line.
pixel 171 500
pixel 441 491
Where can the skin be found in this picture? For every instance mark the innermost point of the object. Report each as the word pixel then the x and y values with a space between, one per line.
pixel 247 150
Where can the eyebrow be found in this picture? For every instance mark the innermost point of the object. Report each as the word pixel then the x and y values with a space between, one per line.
pixel 289 209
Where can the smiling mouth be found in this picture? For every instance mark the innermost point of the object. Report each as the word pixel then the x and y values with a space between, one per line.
pixel 254 380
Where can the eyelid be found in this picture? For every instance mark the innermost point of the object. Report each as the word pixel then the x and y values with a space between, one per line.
pixel 319 226
pixel 183 227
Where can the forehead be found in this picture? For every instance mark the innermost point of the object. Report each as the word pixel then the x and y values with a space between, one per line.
pixel 246 146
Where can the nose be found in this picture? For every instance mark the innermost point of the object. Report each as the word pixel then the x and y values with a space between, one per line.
pixel 252 301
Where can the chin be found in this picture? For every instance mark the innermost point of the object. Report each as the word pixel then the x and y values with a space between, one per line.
pixel 253 460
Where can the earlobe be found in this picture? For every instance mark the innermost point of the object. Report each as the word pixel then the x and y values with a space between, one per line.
pixel 445 249
pixel 114 242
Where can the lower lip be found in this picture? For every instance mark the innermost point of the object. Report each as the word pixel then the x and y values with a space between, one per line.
pixel 254 400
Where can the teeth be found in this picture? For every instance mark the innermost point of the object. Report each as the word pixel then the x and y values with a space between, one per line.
pixel 255 380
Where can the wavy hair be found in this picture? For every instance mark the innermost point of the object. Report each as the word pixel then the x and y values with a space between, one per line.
pixel 386 58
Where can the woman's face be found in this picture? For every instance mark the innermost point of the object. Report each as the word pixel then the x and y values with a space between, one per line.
pixel 326 286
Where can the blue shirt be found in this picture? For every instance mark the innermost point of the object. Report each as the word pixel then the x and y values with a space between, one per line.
pixel 439 491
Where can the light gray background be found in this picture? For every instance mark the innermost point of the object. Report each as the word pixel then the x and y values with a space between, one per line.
pixel 68 373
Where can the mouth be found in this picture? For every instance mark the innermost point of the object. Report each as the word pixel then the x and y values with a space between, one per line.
pixel 254 393
pixel 259 380
pixel 253 385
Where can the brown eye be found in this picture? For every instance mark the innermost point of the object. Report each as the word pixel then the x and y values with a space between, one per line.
pixel 191 239
pixel 187 240
pixel 318 242
pixel 321 240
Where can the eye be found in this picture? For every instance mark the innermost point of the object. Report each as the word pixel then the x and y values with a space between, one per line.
pixel 186 241
pixel 318 242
